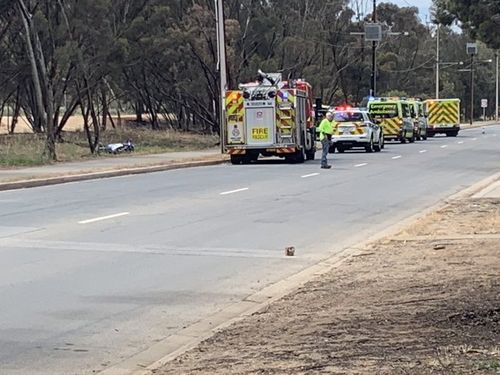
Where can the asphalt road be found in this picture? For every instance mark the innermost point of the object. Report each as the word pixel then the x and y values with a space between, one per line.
pixel 94 272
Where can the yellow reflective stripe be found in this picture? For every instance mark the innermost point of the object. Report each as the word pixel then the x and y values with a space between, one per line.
pixel 235 106
pixel 391 126
pixel 444 113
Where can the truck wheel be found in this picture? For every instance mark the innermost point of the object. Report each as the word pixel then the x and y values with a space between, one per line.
pixel 236 159
pixel 412 139
pixel 340 149
pixel 331 150
pixel 370 147
pixel 300 156
pixel 311 154
pixel 452 134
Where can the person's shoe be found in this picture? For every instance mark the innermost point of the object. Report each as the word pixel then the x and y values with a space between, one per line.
pixel 326 166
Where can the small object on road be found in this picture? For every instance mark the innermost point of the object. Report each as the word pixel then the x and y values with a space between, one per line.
pixel 484 130
pixel 439 247
pixel 290 251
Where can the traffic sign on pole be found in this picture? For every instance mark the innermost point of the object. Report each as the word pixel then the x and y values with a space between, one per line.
pixel 484 103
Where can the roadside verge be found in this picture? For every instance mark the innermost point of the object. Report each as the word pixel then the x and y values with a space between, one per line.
pixel 249 313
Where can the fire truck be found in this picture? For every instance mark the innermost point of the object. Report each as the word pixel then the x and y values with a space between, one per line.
pixel 270 117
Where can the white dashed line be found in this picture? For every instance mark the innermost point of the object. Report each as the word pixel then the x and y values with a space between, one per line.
pixel 460 142
pixel 360 165
pixel 474 139
pixel 103 218
pixel 396 157
pixel 310 175
pixel 234 191
pixel 444 146
pixel 423 151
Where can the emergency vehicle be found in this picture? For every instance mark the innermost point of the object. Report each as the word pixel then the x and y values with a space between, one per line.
pixel 353 127
pixel 394 114
pixel 270 117
pixel 443 116
pixel 419 119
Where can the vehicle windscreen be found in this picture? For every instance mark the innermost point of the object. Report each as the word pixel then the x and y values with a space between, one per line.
pixel 383 110
pixel 347 116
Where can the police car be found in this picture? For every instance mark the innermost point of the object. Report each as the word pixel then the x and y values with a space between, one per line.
pixel 355 128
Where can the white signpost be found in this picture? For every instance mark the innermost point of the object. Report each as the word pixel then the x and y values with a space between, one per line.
pixel 484 105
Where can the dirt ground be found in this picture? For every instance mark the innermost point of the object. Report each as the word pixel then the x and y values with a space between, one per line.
pixel 424 302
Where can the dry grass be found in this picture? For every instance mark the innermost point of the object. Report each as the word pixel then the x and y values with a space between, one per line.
pixel 28 149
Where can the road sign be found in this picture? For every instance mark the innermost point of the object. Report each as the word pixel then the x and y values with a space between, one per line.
pixel 484 103
pixel 373 32
pixel 471 48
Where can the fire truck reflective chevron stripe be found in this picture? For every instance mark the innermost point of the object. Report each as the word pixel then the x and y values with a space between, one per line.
pixel 392 126
pixel 235 110
pixel 234 151
pixel 287 150
pixel 443 112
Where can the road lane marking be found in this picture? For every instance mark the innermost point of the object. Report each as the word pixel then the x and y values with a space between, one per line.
pixel 234 191
pixel 396 157
pixel 444 146
pixel 474 139
pixel 423 151
pixel 460 142
pixel 310 175
pixel 103 218
pixel 153 249
pixel 360 165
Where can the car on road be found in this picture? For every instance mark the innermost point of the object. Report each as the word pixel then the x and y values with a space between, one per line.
pixel 355 128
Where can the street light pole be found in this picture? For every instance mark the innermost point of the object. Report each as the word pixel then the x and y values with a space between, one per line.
pixel 373 88
pixel 437 62
pixel 221 49
pixel 496 86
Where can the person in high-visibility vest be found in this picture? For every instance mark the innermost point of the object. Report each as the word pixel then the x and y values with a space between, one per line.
pixel 325 130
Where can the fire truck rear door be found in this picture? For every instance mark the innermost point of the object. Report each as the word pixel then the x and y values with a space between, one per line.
pixel 260 118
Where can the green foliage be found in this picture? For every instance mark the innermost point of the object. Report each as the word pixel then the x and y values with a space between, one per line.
pixel 159 57
pixel 480 17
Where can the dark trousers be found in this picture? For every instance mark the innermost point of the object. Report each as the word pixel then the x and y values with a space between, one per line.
pixel 325 143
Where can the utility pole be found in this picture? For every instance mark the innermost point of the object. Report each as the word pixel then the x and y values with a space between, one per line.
pixel 373 88
pixel 496 86
pixel 221 49
pixel 437 61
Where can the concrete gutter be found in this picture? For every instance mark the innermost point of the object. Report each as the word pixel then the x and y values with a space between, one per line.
pixel 83 176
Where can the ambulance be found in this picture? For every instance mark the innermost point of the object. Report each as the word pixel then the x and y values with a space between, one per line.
pixel 443 116
pixel 394 114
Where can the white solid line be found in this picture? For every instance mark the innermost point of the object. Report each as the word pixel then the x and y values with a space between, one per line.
pixel 310 175
pixel 423 151
pixel 233 191
pixel 444 146
pixel 103 218
pixel 460 142
pixel 396 157
pixel 360 165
